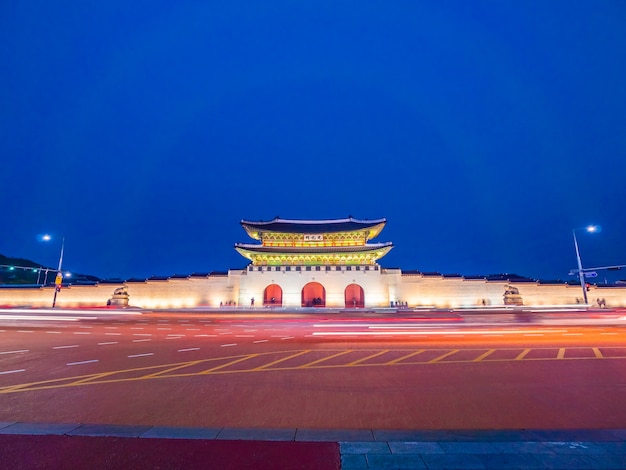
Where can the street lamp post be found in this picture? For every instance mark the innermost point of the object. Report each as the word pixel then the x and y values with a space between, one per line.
pixel 59 279
pixel 581 272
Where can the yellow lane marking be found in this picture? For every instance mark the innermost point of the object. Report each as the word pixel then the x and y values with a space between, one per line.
pixel 90 378
pixel 278 361
pixel 483 355
pixel 363 359
pixel 443 356
pixel 327 358
pixel 164 371
pixel 221 366
pixel 395 361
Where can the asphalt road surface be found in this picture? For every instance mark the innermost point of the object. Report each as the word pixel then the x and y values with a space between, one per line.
pixel 348 370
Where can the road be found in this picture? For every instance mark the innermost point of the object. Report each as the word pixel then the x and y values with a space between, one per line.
pixel 350 370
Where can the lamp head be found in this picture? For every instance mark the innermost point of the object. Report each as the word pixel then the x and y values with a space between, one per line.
pixel 593 228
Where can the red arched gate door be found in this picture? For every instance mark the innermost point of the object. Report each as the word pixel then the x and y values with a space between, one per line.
pixel 273 296
pixel 354 296
pixel 313 295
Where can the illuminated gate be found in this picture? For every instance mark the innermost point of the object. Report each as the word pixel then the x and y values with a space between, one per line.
pixel 273 296
pixel 354 296
pixel 313 295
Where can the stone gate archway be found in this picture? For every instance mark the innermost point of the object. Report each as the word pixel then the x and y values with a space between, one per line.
pixel 354 296
pixel 273 296
pixel 313 295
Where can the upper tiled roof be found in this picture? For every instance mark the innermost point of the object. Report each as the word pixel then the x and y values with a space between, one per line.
pixel 279 225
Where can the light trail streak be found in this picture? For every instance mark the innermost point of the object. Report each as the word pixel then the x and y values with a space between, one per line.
pixel 38 317
pixel 429 333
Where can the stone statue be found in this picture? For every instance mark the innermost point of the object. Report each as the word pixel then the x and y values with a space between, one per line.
pixel 120 297
pixel 512 296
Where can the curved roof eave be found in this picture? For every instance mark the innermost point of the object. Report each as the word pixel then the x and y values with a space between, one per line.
pixel 279 225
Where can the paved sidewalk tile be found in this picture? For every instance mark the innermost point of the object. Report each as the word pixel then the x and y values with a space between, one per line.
pixel 576 448
pixel 468 448
pixel 257 434
pixel 416 448
pixel 412 436
pixel 512 461
pixel 609 461
pixel 108 430
pixel 395 461
pixel 181 433
pixel 523 447
pixel 336 435
pixel 453 461
pixel 38 428
pixel 574 462
pixel 353 461
pixel 369 447
pixel 490 436
pixel 613 447
pixel 593 435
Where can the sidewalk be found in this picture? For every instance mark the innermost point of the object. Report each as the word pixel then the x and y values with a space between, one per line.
pixel 76 446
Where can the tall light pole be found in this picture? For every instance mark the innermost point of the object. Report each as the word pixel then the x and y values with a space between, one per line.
pixel 59 279
pixel 581 273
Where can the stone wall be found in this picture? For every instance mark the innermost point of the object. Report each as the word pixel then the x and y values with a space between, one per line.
pixel 381 287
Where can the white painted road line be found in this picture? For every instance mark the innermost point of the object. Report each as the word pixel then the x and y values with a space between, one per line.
pixel 109 342
pixel 141 340
pixel 25 331
pixel 113 334
pixel 54 332
pixel 205 336
pixel 230 344
pixel 82 332
pixel 12 371
pixel 188 349
pixel 141 355
pixel 81 362
pixel 261 341
pixel 142 334
pixel 65 347
pixel 14 352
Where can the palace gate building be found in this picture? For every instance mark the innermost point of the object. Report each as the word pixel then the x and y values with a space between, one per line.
pixel 314 263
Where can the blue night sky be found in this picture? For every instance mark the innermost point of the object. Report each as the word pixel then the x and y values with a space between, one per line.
pixel 144 131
